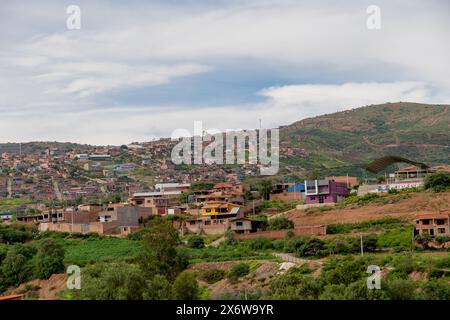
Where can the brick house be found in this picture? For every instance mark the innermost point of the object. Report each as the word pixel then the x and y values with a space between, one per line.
pixel 434 224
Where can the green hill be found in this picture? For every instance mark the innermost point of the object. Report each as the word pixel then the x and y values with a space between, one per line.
pixel 345 141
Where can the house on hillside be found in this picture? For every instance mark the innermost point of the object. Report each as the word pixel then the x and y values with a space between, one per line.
pixel 433 224
pixel 213 218
pixel 288 191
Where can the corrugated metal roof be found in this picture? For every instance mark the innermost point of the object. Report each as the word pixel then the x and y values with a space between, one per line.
pixel 384 162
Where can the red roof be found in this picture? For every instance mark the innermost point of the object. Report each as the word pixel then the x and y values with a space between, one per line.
pixel 11 297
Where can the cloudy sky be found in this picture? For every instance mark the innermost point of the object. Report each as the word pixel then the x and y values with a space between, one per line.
pixel 137 70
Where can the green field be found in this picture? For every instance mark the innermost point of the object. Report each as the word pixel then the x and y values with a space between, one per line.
pixel 85 251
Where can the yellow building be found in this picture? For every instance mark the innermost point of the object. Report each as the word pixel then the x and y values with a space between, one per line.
pixel 220 208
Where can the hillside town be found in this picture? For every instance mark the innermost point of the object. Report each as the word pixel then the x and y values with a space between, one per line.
pixel 115 190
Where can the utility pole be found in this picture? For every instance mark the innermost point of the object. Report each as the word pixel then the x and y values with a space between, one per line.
pixel 362 250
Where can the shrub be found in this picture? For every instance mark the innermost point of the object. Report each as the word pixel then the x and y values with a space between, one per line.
pixel 436 290
pixel 229 238
pixel 344 270
pixel 49 258
pixel 399 289
pixel 196 242
pixel 112 281
pixel 14 267
pixel 237 271
pixel 312 247
pixel 260 243
pixel 438 181
pixel 280 223
pixel 293 285
pixel 185 287
pixel 17 233
pixel 212 275
pixel 423 238
pixel 442 239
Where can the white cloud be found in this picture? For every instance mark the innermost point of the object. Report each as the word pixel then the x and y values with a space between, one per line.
pixel 52 78
pixel 284 105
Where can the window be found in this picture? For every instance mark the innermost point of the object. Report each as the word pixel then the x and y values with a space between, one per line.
pixel 426 221
pixel 312 198
pixel 239 224
pixel 441 230
pixel 207 223
pixel 191 222
pixel 440 222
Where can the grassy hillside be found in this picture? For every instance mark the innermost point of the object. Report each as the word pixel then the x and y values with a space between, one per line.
pixel 343 141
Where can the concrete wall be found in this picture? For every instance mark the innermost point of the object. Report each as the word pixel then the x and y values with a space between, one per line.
pixel 104 227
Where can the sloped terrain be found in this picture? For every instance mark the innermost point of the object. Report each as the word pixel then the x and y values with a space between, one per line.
pixel 397 206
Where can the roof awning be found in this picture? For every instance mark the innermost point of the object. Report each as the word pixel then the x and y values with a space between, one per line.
pixel 384 162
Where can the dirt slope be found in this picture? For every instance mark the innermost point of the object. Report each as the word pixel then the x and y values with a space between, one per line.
pixel 416 203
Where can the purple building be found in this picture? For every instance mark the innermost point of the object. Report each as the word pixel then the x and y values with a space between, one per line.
pixel 325 191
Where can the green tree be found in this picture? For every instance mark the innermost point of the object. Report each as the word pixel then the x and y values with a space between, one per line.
pixel 185 287
pixel 264 187
pixel 159 254
pixel 49 259
pixel 196 241
pixel 14 267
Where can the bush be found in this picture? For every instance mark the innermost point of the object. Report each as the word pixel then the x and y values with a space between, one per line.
pixel 344 270
pixel 196 242
pixel 438 181
pixel 49 258
pixel 423 238
pixel 312 247
pixel 212 275
pixel 17 233
pixel 442 239
pixel 399 289
pixel 294 285
pixel 436 290
pixel 238 270
pixel 14 267
pixel 112 281
pixel 280 223
pixel 260 243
